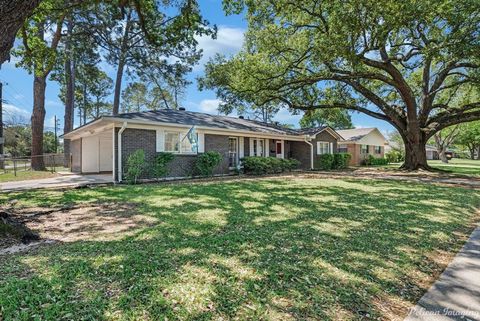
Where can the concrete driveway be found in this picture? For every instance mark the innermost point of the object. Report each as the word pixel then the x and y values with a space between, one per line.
pixel 73 180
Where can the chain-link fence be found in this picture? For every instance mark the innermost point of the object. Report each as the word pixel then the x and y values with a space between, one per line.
pixel 52 162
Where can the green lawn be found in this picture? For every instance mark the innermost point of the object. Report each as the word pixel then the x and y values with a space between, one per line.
pixel 458 166
pixel 273 249
pixel 24 175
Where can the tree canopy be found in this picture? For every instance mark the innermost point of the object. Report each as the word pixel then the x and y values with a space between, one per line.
pixel 404 62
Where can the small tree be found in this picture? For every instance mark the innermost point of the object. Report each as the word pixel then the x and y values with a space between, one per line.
pixel 207 162
pixel 135 166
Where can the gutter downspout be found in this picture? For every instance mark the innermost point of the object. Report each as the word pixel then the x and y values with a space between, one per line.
pixel 119 139
pixel 311 150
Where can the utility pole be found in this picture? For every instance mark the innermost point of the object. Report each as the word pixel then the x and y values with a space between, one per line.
pixel 56 139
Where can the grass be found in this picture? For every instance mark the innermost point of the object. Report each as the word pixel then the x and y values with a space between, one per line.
pixel 458 166
pixel 273 249
pixel 23 175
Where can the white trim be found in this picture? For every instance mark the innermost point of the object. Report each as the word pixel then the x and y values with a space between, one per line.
pixel 329 147
pixel 201 142
pixel 282 148
pixel 122 129
pixel 241 147
pixel 160 147
pixel 311 152
pixel 237 158
pixel 113 155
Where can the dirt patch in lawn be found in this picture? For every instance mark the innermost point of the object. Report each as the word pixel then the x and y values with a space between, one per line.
pixel 92 222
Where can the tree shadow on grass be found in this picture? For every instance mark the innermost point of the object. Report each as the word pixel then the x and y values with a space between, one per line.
pixel 270 249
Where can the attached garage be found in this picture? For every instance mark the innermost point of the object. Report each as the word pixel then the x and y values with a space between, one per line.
pixel 94 153
pixel 97 153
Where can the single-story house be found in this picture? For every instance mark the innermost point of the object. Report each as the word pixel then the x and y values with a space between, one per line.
pixel 432 153
pixel 362 142
pixel 105 144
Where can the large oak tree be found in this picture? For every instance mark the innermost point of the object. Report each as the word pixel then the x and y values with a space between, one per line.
pixel 399 61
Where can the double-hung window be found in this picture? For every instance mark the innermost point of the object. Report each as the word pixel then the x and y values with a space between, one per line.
pixel 258 147
pixel 378 149
pixel 177 142
pixel 364 149
pixel 323 148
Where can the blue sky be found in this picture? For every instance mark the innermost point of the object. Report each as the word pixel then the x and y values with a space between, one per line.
pixel 18 89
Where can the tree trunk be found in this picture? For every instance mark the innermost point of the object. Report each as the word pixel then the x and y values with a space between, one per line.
pixel 478 153
pixel 443 156
pixel 118 87
pixel 69 97
pixel 415 152
pixel 84 103
pixel 472 153
pixel 38 119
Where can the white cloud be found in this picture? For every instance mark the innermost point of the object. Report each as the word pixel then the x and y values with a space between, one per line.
pixel 209 105
pixel 229 41
pixel 14 114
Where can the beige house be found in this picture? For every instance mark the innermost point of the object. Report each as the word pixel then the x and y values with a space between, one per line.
pixel 360 143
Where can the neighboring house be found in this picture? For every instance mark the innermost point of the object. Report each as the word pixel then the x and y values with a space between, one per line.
pixel 104 144
pixel 432 153
pixel 362 142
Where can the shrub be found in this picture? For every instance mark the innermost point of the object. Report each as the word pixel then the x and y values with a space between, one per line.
pixel 394 156
pixel 341 160
pixel 324 162
pixel 160 167
pixel 268 165
pixel 207 162
pixel 135 166
pixel 373 161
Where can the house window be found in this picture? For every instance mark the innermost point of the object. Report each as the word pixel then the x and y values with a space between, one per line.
pixel 232 152
pixel 323 148
pixel 172 142
pixel 177 142
pixel 378 149
pixel 364 149
pixel 258 147
pixel 342 149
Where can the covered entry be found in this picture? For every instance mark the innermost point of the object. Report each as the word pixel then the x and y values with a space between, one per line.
pixel 97 153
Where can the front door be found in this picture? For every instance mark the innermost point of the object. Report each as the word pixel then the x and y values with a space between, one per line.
pixel 279 149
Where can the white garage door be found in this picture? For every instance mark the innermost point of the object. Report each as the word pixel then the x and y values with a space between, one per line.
pixel 106 153
pixel 90 154
pixel 97 153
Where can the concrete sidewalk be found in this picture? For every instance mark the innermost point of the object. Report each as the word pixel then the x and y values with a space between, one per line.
pixel 74 180
pixel 456 294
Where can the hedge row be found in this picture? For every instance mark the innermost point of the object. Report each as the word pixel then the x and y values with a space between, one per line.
pixel 371 160
pixel 268 165
pixel 333 161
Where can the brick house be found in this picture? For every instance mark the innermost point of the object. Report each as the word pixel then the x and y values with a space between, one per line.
pixel 362 142
pixel 105 144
